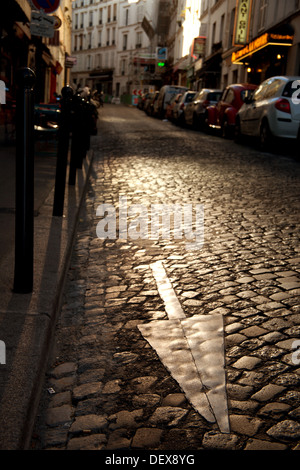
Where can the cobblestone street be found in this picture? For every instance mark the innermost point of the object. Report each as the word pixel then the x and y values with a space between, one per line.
pixel 106 386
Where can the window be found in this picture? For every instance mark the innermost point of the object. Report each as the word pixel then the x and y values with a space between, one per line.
pixel 272 88
pixel 229 98
pixel 222 27
pixel 260 92
pixel 125 38
pixel 126 17
pixel 88 62
pixel 139 39
pixel 123 66
pixel 214 26
pixel 262 13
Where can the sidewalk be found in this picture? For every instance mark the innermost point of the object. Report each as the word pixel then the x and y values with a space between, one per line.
pixel 27 320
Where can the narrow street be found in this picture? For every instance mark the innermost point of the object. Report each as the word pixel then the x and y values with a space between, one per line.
pixel 111 383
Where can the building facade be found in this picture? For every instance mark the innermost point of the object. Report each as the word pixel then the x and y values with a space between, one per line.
pixel 114 43
pixel 19 47
pixel 270 45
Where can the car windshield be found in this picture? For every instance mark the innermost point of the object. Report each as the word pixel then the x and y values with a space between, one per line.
pixel 214 96
pixel 189 97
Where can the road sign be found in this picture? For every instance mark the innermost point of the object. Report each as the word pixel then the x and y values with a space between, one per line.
pixel 48 6
pixel 162 53
pixel 57 23
pixel 42 25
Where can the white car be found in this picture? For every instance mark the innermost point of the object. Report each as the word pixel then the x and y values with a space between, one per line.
pixel 272 110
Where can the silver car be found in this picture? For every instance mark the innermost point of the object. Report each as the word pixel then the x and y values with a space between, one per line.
pixel 178 110
pixel 272 110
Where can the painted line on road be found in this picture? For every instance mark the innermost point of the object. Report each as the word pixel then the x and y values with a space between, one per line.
pixel 192 349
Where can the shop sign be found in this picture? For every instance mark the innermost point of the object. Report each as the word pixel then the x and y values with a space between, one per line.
pixel 70 61
pixel 266 39
pixel 242 22
pixel 198 47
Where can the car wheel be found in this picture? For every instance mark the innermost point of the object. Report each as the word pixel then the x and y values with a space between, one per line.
pixel 225 129
pixel 206 127
pixel 195 122
pixel 237 131
pixel 264 136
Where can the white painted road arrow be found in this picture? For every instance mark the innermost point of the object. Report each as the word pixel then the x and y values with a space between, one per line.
pixel 192 349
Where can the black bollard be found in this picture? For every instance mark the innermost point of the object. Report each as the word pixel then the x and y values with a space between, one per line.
pixel 62 150
pixel 78 141
pixel 24 226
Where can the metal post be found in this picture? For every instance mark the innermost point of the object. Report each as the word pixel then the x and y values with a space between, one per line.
pixel 24 230
pixel 77 145
pixel 62 150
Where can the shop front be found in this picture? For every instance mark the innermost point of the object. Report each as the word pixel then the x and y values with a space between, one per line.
pixel 267 55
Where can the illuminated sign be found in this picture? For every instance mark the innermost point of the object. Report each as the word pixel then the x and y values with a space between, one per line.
pixel 242 22
pixel 267 39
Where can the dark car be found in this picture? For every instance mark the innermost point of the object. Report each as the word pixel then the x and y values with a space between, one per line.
pixel 221 116
pixel 194 111
pixel 150 103
pixel 169 109
pixel 46 118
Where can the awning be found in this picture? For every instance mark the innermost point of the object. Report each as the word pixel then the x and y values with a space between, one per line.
pixel 15 10
pixel 282 36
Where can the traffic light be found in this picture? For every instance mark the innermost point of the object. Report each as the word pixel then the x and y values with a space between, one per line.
pixel 160 66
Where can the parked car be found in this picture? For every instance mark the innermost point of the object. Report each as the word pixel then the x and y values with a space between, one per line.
pixel 272 110
pixel 170 106
pixel 178 110
pixel 164 98
pixel 149 103
pixel 222 115
pixel 195 110
pixel 46 118
pixel 142 100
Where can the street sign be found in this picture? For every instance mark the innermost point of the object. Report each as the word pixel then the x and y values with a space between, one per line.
pixel 57 23
pixel 70 61
pixel 48 6
pixel 42 25
pixel 161 53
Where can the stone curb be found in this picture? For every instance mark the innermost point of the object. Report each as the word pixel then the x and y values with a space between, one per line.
pixel 29 320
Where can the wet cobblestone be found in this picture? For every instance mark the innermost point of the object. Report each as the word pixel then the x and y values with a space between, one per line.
pixel 111 390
